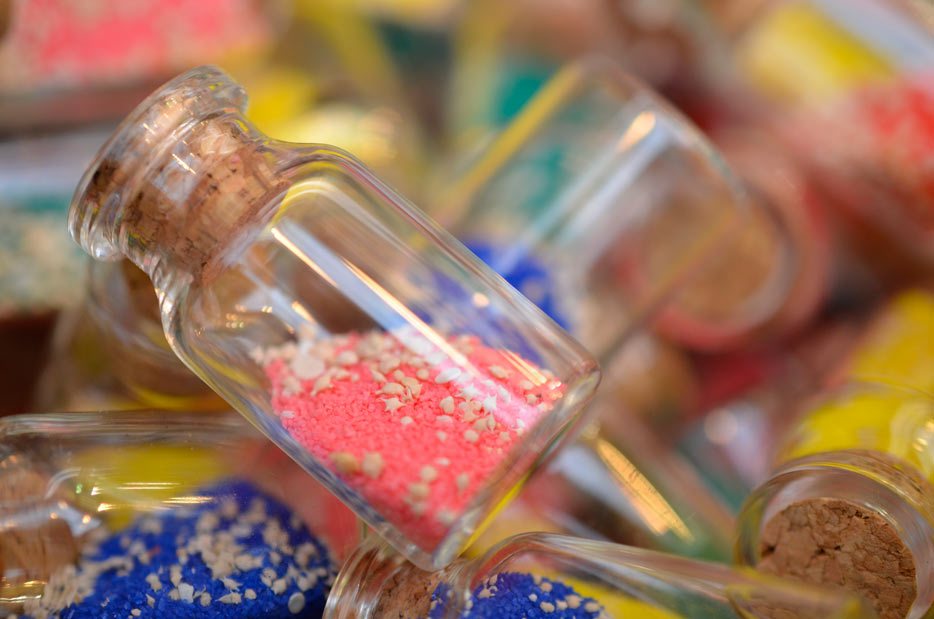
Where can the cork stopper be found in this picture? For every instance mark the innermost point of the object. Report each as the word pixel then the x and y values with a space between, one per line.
pixel 840 544
pixel 32 544
pixel 180 177
pixel 858 521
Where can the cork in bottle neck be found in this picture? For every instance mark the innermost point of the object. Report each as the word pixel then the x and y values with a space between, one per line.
pixel 377 581
pixel 177 181
pixel 855 519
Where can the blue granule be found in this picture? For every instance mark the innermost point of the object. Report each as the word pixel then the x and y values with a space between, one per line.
pixel 240 554
pixel 514 595
pixel 525 274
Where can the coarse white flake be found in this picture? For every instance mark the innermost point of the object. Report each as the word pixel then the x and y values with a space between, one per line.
pixel 443 461
pixel 422 374
pixel 377 375
pixel 186 592
pixel 136 612
pixel 388 364
pixel 445 419
pixel 447 404
pixel 150 600
pixel 392 389
pixel 527 385
pixel 279 586
pixel 249 594
pixel 419 490
pixel 442 435
pixel 545 586
pixel 469 392
pixel 347 357
pixel 462 480
pixel 154 582
pixel 372 464
pixel 406 420
pixel 498 371
pixel 392 404
pixel 175 574
pixel 446 517
pixel 471 437
pixel 447 375
pixel 306 367
pixel 591 607
pixel 428 474
pixel 533 597
pixel 547 607
pixel 230 584
pixel 489 403
pixel 205 599
pixel 573 601
pixel 296 603
pixel 321 383
pixel 561 604
pixel 230 598
pixel 345 462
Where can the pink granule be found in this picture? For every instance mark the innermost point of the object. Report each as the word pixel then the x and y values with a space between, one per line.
pixel 418 440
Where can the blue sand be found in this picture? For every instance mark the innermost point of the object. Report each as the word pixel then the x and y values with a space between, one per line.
pixel 525 274
pixel 117 593
pixel 509 599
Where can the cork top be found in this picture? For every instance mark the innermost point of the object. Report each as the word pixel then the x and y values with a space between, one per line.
pixel 179 175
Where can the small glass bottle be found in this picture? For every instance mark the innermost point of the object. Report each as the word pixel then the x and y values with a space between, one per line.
pixel 852 503
pixel 353 331
pixel 111 505
pixel 600 191
pixel 537 574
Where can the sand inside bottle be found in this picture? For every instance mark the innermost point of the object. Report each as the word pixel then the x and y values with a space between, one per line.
pixel 417 434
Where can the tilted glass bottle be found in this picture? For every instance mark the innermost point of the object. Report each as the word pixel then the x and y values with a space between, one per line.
pixel 852 503
pixel 538 574
pixel 353 331
pixel 107 505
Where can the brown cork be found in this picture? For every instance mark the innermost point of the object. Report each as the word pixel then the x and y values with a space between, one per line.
pixel 407 594
pixel 837 543
pixel 37 545
pixel 194 201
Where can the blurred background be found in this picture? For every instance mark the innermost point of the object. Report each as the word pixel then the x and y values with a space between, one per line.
pixel 824 109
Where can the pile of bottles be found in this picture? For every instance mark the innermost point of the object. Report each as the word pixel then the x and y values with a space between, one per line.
pixel 484 309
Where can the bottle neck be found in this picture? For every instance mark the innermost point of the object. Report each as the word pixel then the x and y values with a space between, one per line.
pixel 376 581
pixel 838 508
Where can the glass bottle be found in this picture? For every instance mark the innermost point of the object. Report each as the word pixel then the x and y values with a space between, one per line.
pixel 80 488
pixel 600 191
pixel 353 331
pixel 538 574
pixel 852 504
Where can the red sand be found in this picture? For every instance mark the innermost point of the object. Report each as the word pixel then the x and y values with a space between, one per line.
pixel 366 394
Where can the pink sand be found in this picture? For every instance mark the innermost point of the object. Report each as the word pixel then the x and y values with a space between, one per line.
pixel 349 414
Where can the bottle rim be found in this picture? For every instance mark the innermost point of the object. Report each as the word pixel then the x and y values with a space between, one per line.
pixel 167 113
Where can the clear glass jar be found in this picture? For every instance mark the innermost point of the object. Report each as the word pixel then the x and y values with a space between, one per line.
pixel 537 574
pixel 352 330
pixel 852 505
pixel 92 504
pixel 619 201
pixel 771 277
